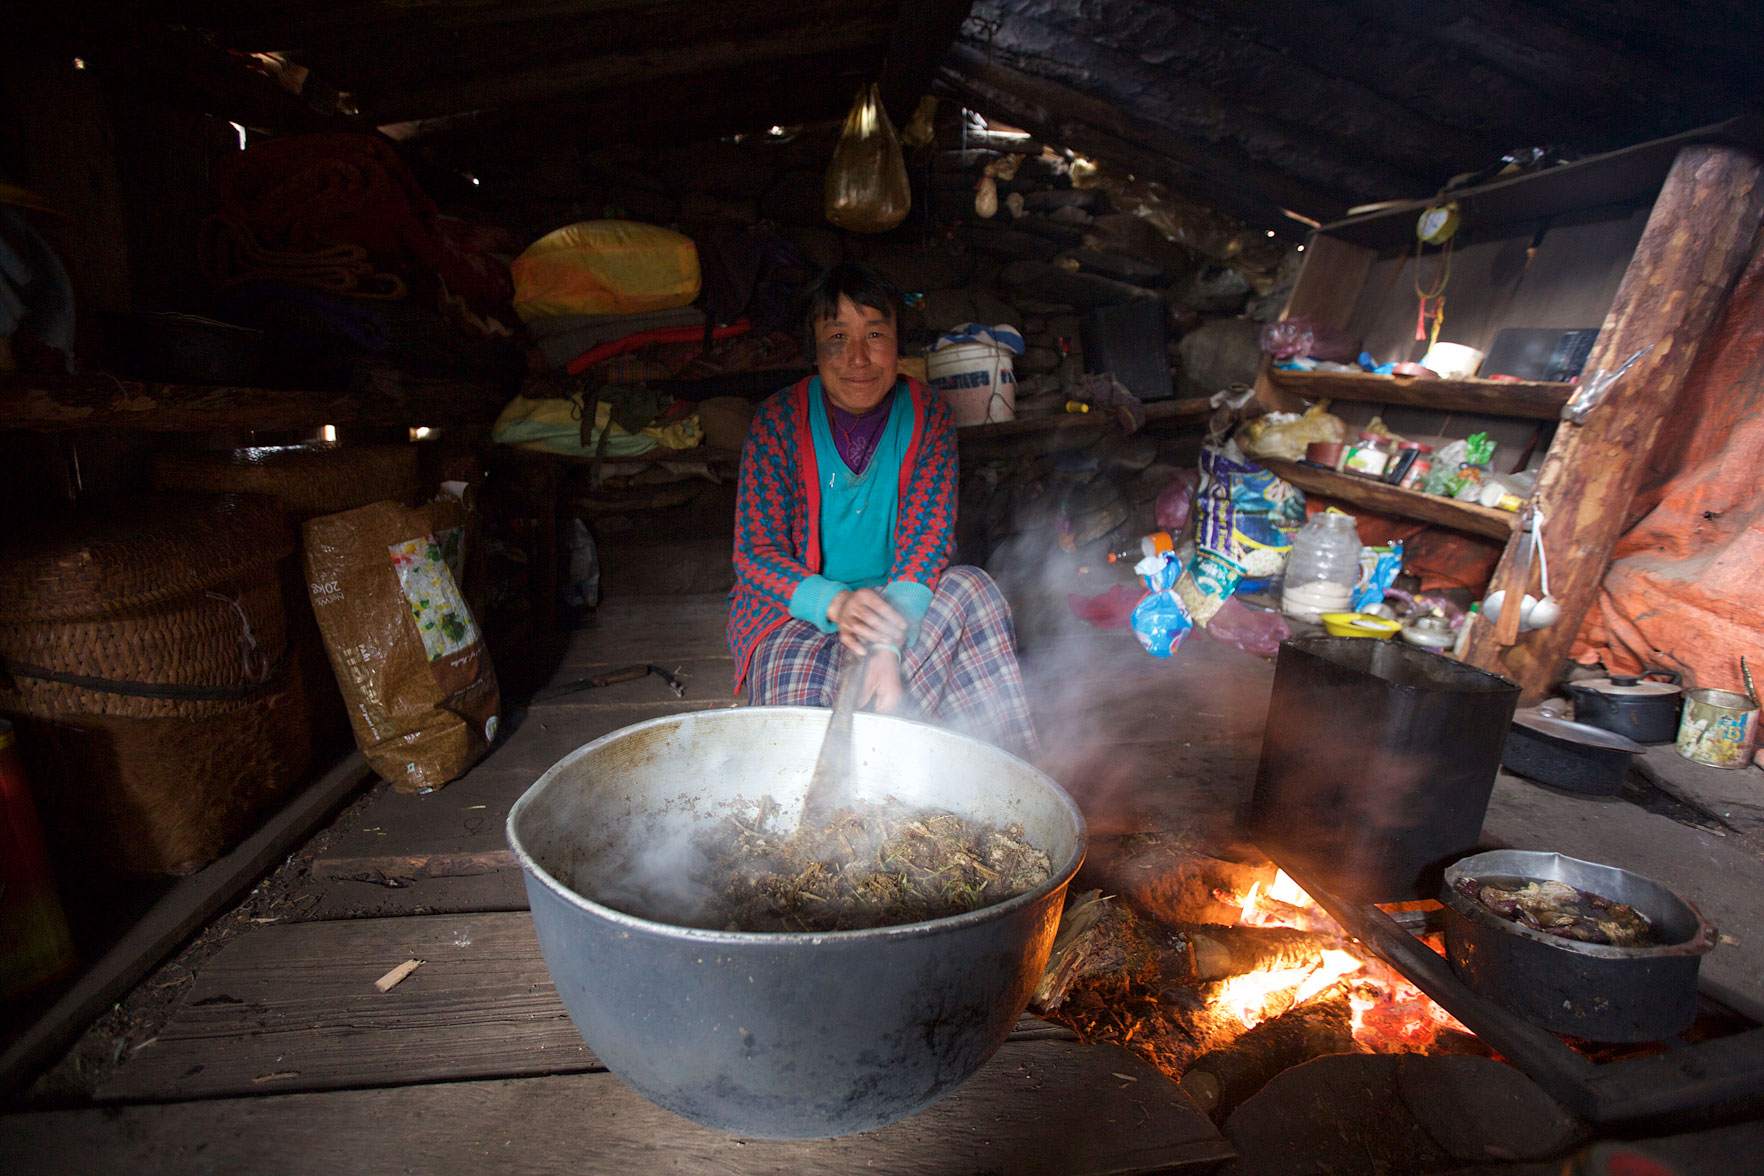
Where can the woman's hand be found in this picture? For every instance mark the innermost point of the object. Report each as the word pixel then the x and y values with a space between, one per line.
pixel 881 683
pixel 865 619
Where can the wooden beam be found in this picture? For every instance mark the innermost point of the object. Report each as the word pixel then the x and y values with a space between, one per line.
pixel 606 69
pixel 177 66
pixel 1394 500
pixel 103 402
pixel 650 112
pixel 187 906
pixel 923 33
pixel 1703 228
pixel 1063 115
pixel 1047 434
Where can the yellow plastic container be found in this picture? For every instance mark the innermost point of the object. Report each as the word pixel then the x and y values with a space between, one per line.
pixel 605 267
pixel 1354 624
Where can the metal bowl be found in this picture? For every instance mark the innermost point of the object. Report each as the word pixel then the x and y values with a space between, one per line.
pixel 1593 991
pixel 785 1036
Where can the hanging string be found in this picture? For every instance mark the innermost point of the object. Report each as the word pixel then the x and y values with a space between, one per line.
pixel 1435 295
pixel 250 660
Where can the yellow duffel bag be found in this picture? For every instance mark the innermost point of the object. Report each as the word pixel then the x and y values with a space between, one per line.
pixel 605 267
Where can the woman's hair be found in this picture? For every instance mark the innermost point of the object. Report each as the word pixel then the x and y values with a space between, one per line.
pixel 854 280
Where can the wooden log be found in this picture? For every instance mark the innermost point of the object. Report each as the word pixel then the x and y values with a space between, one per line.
pixel 1218 951
pixel 1221 1079
pixel 1060 114
pixel 1699 235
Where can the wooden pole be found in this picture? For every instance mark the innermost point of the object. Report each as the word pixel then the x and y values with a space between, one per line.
pixel 1697 239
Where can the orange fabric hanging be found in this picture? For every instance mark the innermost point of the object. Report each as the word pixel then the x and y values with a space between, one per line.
pixel 1685 589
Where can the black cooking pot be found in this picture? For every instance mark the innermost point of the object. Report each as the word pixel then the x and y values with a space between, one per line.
pixel 1590 990
pixel 1571 756
pixel 1633 705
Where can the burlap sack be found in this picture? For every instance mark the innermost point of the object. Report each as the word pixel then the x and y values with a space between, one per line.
pixel 384 582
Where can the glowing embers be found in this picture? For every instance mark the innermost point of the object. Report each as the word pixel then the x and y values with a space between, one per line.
pixel 1390 1015
pixel 1256 996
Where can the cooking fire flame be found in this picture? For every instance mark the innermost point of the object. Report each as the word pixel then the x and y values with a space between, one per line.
pixel 1389 1013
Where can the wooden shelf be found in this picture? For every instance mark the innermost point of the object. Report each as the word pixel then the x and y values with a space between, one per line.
pixel 1394 500
pixel 1044 434
pixel 1519 398
pixel 50 402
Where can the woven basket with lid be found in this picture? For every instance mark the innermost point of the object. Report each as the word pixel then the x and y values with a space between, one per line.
pixel 305 480
pixel 177 592
pixel 146 658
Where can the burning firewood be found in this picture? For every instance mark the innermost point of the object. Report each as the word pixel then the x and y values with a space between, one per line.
pixel 1221 1079
pixel 1096 937
pixel 1214 951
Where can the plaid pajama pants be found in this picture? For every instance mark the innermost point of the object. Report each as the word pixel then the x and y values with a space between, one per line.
pixel 961 672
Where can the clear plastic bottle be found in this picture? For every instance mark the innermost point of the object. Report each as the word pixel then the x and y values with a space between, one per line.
pixel 1323 566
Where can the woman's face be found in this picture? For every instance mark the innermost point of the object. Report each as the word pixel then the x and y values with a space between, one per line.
pixel 858 354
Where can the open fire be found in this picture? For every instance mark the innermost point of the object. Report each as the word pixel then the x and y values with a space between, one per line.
pixel 1224 982
pixel 1389 1013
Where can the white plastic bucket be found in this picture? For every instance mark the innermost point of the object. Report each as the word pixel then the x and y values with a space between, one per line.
pixel 976 380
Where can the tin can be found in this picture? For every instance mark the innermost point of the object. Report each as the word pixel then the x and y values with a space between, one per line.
pixel 1370 455
pixel 1717 728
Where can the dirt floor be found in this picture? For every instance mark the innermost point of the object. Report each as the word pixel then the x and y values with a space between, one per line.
pixel 264 1034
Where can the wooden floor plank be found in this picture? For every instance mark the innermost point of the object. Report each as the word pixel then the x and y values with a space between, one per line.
pixel 293 1007
pixel 704 679
pixel 467 815
pixel 1037 1106
pixel 348 899
pixel 630 630
pixel 189 904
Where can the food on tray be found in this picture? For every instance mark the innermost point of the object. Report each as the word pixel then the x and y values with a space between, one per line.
pixel 1556 908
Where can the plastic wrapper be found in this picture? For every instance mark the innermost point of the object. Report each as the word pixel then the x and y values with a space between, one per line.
pixel 1176 501
pixel 1161 621
pixel 867 189
pixel 1379 568
pixel 1303 337
pixel 1285 434
pixel 1255 631
pixel 1207 583
pixel 1245 518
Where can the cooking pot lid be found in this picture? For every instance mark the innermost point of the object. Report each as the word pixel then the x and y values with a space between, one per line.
pixel 1575 732
pixel 1643 687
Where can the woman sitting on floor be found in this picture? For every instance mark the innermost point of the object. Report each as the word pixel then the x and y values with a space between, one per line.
pixel 844 525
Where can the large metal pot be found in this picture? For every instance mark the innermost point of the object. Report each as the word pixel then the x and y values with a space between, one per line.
pixel 1588 990
pixel 787 1036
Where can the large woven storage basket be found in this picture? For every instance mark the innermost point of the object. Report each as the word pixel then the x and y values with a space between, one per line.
pixel 146 665
pixel 305 481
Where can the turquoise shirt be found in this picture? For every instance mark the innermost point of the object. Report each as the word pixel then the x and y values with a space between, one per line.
pixel 858 513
